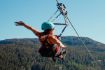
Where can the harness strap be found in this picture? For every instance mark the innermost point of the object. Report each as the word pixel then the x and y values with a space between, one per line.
pixel 51 51
pixel 47 49
pixel 47 43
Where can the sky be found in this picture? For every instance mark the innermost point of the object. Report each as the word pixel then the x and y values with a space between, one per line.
pixel 87 16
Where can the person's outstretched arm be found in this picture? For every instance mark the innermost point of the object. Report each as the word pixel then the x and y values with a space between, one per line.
pixel 21 23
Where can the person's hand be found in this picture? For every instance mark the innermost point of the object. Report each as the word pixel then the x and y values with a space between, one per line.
pixel 19 23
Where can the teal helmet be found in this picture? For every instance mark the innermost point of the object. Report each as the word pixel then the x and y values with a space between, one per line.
pixel 47 25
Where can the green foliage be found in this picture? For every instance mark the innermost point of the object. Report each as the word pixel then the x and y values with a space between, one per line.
pixel 23 55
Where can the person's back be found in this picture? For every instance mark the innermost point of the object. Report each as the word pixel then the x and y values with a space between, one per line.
pixel 47 38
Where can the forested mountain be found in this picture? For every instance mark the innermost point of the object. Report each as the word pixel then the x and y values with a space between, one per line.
pixel 22 54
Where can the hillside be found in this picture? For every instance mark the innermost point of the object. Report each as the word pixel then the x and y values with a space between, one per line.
pixel 22 54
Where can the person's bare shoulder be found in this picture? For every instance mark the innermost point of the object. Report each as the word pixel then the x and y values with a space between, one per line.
pixel 51 37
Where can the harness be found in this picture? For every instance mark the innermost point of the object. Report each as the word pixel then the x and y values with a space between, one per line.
pixel 47 49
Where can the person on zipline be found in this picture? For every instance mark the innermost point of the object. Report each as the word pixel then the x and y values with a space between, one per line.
pixel 51 46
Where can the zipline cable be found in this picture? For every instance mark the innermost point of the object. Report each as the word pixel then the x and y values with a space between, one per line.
pixel 81 39
pixel 62 10
pixel 61 7
pixel 52 16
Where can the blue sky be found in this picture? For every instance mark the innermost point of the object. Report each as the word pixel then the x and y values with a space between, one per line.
pixel 87 16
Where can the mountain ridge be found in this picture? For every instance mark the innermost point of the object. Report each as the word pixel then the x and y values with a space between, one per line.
pixel 71 40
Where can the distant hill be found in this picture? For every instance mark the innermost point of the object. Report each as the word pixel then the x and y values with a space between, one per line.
pixel 20 41
pixel 73 40
pixel 22 54
pixel 69 40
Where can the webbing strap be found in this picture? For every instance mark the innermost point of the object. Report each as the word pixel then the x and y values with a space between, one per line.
pixel 46 43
